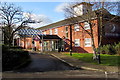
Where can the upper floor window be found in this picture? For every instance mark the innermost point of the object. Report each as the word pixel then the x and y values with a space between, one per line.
pixel 67 35
pixel 66 28
pixel 87 42
pixel 76 27
pixel 50 32
pixel 86 25
pixel 56 31
pixel 77 42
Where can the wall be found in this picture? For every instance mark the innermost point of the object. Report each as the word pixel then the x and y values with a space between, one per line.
pixel 81 34
pixel 27 43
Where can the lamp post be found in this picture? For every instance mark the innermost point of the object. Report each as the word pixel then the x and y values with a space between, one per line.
pixel 70 40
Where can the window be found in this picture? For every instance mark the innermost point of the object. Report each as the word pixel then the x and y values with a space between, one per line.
pixel 77 42
pixel 45 33
pixel 67 35
pixel 86 25
pixel 56 31
pixel 76 27
pixel 66 28
pixel 87 42
pixel 50 32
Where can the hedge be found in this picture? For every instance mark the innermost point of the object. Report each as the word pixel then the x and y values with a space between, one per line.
pixel 13 57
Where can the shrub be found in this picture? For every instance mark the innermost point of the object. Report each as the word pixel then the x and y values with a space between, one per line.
pixel 117 48
pixel 105 48
pixel 111 49
pixel 12 58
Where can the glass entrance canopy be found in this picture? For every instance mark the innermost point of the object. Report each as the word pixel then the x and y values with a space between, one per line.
pixel 29 32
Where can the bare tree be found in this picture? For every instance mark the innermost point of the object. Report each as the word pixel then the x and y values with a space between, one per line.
pixel 91 11
pixel 10 17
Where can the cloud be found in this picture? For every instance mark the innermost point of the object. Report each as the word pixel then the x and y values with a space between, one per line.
pixel 43 19
pixel 61 7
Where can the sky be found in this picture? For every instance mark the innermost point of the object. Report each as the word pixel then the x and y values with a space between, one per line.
pixel 50 11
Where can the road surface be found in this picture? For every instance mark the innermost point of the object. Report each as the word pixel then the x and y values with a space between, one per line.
pixel 46 67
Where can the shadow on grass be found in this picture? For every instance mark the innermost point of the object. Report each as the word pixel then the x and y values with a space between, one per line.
pixel 111 60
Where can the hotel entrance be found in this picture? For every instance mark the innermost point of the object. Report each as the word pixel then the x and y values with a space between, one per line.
pixel 51 43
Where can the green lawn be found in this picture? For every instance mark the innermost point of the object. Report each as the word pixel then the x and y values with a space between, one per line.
pixel 111 60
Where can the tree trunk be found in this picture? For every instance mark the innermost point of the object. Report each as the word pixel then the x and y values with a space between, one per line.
pixel 94 49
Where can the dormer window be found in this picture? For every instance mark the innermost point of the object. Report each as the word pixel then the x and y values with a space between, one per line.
pixel 86 25
pixel 76 27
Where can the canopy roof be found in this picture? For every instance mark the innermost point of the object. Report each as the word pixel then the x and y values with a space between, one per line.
pixel 49 37
pixel 29 32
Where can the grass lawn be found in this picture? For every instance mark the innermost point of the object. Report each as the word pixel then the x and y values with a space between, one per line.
pixel 111 60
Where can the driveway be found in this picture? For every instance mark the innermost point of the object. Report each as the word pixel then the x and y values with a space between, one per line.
pixel 44 62
pixel 45 67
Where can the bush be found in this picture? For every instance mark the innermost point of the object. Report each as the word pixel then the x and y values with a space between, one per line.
pixel 111 49
pixel 117 48
pixel 12 58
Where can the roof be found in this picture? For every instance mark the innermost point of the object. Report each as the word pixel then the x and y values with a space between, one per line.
pixel 75 20
pixel 49 37
pixel 29 32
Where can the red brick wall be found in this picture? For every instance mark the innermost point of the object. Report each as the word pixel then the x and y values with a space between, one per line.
pixel 28 43
pixel 76 35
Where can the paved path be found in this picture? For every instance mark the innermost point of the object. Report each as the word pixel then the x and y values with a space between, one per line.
pixel 44 62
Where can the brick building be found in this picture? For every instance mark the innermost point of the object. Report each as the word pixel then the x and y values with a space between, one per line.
pixel 81 41
pixel 57 36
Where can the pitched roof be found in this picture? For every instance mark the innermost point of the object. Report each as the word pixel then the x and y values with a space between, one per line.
pixel 76 19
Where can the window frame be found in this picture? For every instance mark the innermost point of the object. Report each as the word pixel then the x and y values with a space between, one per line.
pixel 86 25
pixel 76 27
pixel 78 42
pixel 56 31
pixel 50 31
pixel 88 42
pixel 66 28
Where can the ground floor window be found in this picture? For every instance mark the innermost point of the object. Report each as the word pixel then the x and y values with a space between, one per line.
pixel 87 42
pixel 56 45
pixel 77 42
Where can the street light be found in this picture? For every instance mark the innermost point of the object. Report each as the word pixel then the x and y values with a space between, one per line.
pixel 70 40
